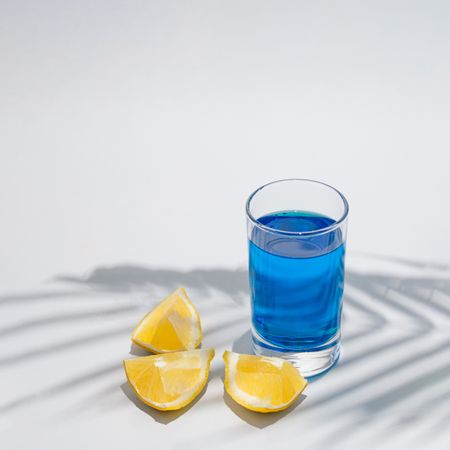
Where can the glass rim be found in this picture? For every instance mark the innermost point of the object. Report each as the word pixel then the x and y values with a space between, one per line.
pixel 297 233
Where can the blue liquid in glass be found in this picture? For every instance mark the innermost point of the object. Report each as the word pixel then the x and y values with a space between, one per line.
pixel 296 282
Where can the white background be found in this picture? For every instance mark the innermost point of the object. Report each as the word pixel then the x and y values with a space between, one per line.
pixel 131 134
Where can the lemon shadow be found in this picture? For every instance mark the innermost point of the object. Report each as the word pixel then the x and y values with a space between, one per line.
pixel 135 350
pixel 243 344
pixel 162 417
pixel 260 420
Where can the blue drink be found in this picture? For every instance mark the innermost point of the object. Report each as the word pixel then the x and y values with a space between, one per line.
pixel 297 231
pixel 296 285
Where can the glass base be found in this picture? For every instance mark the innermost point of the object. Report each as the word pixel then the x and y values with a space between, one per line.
pixel 310 363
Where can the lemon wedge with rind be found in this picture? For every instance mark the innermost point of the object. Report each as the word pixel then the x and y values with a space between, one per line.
pixel 173 325
pixel 262 384
pixel 169 381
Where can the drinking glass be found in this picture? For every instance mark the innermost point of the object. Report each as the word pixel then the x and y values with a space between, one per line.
pixel 297 232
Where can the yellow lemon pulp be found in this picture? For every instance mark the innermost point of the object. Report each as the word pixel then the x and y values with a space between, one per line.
pixel 173 325
pixel 169 381
pixel 261 383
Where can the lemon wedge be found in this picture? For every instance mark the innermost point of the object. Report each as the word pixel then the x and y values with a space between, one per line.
pixel 262 384
pixel 173 325
pixel 170 381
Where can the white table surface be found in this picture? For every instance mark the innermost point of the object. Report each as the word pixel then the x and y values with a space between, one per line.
pixel 131 134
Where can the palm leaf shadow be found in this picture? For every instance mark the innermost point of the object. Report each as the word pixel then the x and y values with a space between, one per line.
pixel 123 279
pixel 120 280
pixel 421 313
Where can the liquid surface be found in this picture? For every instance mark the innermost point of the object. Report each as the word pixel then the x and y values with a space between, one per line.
pixel 296 281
